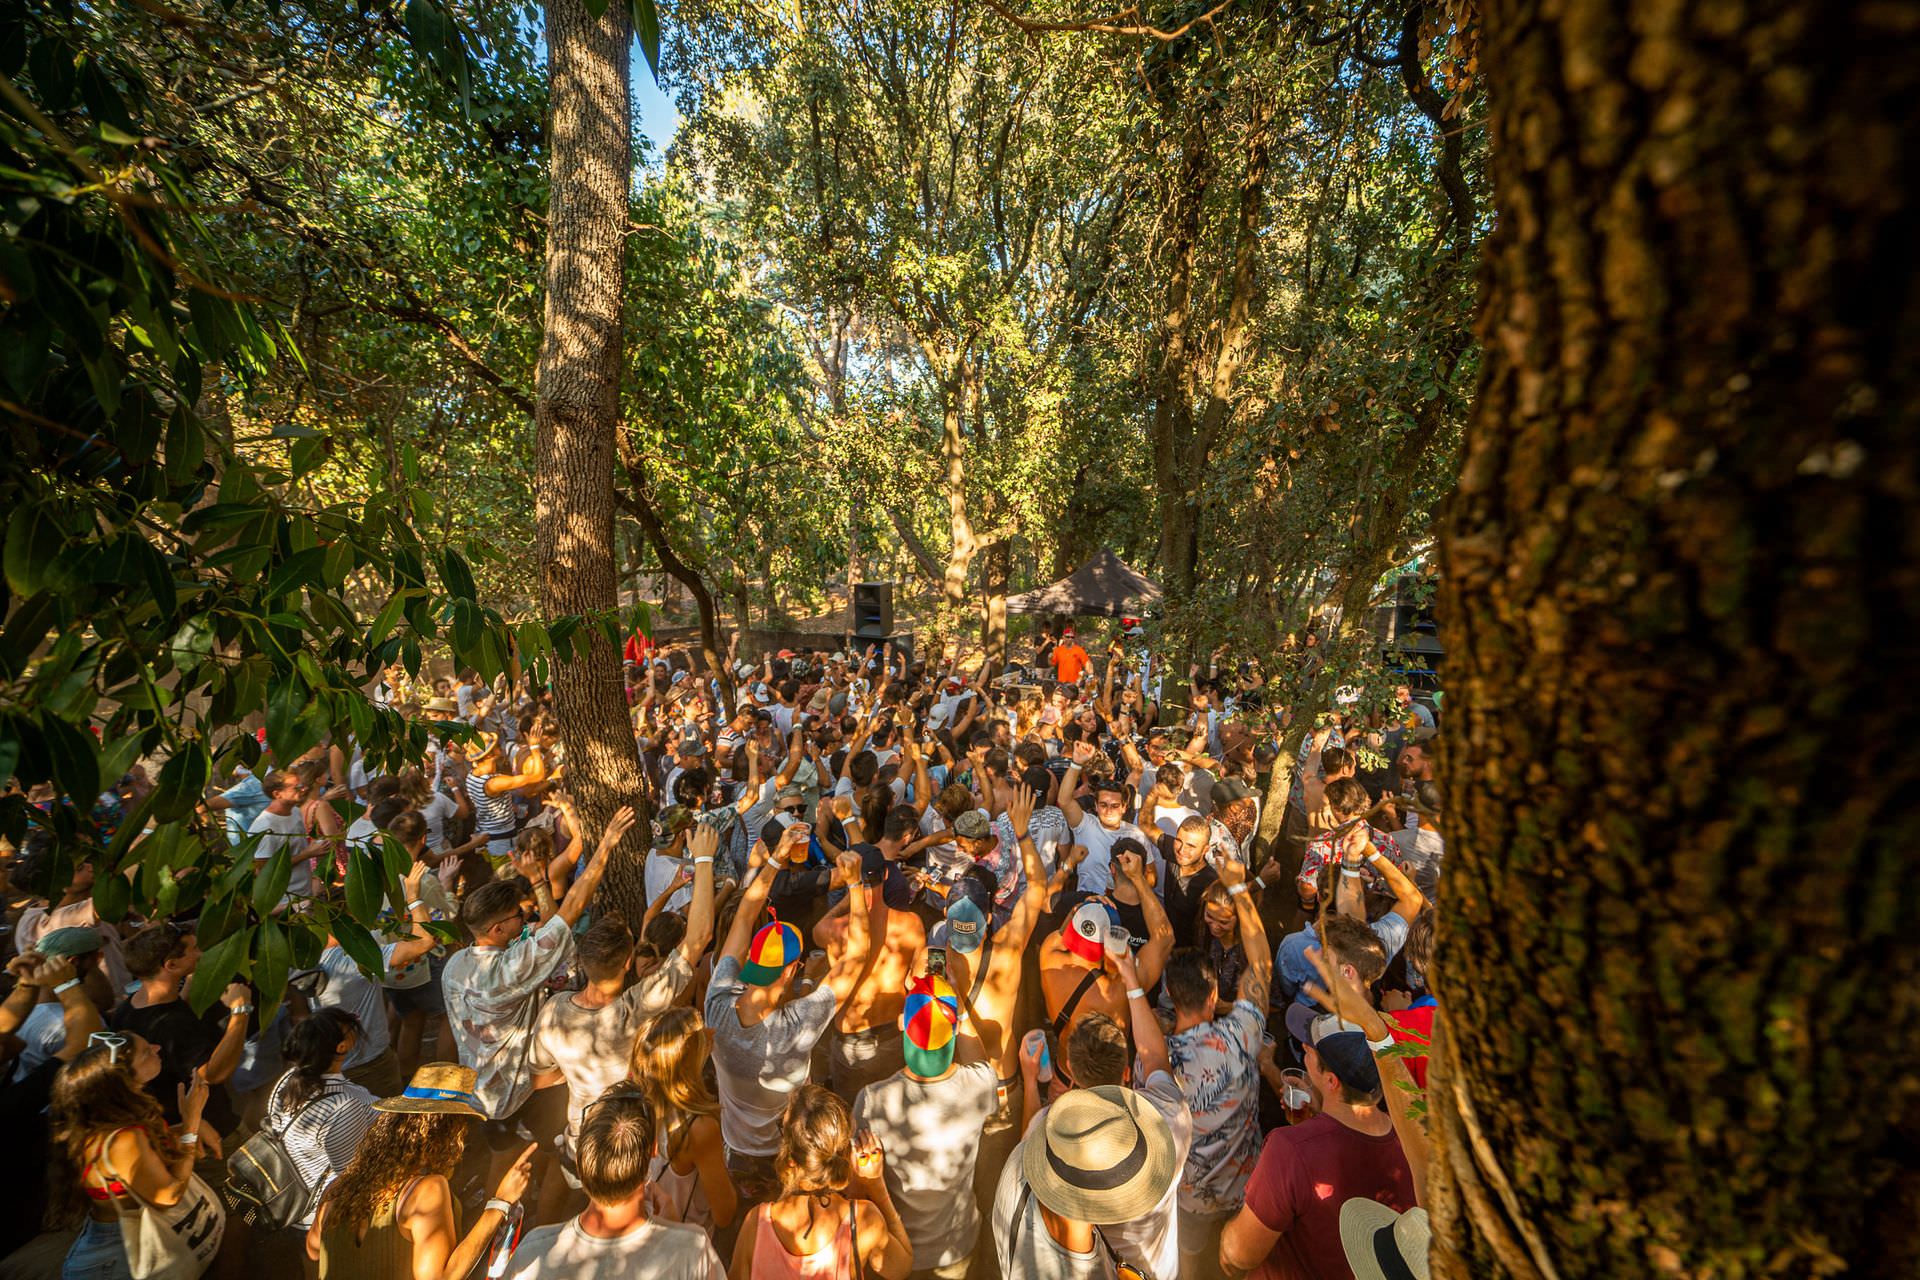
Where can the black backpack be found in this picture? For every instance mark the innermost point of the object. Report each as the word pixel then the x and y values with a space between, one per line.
pixel 265 1184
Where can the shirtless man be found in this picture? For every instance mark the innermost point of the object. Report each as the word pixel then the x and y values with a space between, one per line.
pixel 866 1045
pixel 1078 977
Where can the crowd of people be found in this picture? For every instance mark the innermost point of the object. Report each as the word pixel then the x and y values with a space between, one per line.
pixel 910 974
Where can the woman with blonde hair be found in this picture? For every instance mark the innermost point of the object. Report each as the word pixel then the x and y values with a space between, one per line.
pixel 669 1063
pixel 111 1142
pixel 392 1213
pixel 833 1219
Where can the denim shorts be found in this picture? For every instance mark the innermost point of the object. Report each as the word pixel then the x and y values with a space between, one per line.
pixel 98 1253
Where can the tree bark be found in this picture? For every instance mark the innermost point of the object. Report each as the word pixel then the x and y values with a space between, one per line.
pixel 996 569
pixel 956 392
pixel 1682 563
pixel 578 407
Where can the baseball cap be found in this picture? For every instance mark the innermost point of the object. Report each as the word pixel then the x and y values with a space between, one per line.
pixel 966 923
pixel 974 824
pixel 760 694
pixel 692 744
pixel 673 819
pixel 1345 1053
pixel 776 946
pixel 1085 930
pixel 76 940
pixel 1228 790
pixel 931 1018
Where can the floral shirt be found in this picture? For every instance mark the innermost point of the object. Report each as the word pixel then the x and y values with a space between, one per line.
pixel 1218 1066
pixel 493 1000
pixel 1322 851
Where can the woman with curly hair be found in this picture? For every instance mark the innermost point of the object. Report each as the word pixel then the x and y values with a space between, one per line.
pixel 669 1063
pixel 112 1143
pixel 392 1214
pixel 833 1219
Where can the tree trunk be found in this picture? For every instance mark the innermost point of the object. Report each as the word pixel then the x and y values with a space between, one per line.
pixel 1679 573
pixel 954 393
pixel 578 408
pixel 997 568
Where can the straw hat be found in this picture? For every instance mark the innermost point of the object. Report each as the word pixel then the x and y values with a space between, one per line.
pixel 1104 1155
pixel 438 1088
pixel 443 706
pixel 1382 1244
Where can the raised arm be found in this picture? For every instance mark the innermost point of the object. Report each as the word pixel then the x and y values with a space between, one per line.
pixel 580 893
pixel 753 897
pixel 418 941
pixel 703 842
pixel 1159 944
pixel 1033 898
pixel 1149 1041
pixel 1257 979
pixel 844 976
pixel 1070 785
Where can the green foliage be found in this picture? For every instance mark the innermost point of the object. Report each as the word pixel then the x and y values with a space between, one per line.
pixel 164 578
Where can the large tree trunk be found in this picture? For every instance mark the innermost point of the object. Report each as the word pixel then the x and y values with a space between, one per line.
pixel 997 568
pixel 1680 580
pixel 578 407
pixel 955 394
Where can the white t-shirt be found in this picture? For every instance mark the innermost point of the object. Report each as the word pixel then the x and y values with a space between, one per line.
pixel 1096 873
pixel 288 831
pixel 930 1130
pixel 660 870
pixel 590 1047
pixel 1169 820
pixel 759 1067
pixel 656 1250
pixel 435 813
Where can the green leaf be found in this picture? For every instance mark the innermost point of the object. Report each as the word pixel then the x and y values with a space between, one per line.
pixel 270 880
pixel 361 947
pixel 182 782
pixel 456 576
pixel 385 621
pixel 186 443
pixel 366 887
pixel 112 895
pixel 272 956
pixel 31 619
pixel 297 570
pixel 218 965
pixel 646 27
pixel 286 704
pixel 34 542
pixel 75 766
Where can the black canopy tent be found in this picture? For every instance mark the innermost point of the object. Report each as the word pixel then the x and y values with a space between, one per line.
pixel 1105 586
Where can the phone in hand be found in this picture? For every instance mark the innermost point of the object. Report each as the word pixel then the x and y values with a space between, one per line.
pixel 936 961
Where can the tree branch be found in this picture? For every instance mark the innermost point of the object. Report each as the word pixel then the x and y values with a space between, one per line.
pixel 1110 25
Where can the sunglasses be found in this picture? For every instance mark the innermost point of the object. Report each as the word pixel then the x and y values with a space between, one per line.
pixel 795 809
pixel 113 1041
pixel 624 1091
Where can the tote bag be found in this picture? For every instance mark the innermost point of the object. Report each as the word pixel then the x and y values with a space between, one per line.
pixel 175 1242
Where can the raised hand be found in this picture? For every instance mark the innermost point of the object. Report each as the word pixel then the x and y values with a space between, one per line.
pixel 617 826
pixel 192 1098
pixel 1232 871
pixel 703 841
pixel 513 1183
pixel 869 1162
pixel 1129 865
pixel 1020 811
pixel 848 865
pixel 236 994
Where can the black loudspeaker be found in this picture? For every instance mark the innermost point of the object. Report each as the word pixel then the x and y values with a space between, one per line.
pixel 872 610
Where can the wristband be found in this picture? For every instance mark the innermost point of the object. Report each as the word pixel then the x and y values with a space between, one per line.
pixel 1262 882
pixel 189 1139
pixel 68 984
pixel 498 1206
pixel 416 904
pixel 1381 1046
pixel 1135 993
pixel 1355 875
pixel 1234 890
pixel 1375 856
pixel 240 1009
pixel 698 861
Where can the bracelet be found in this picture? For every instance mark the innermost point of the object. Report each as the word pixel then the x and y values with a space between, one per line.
pixel 1135 993
pixel 1351 874
pixel 1381 1046
pixel 416 904
pixel 1234 890
pixel 698 861
pixel 188 1139
pixel 240 1009
pixel 68 984
pixel 497 1205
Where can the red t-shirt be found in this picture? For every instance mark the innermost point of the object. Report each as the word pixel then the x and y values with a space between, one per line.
pixel 1069 660
pixel 1306 1172
pixel 1413 1026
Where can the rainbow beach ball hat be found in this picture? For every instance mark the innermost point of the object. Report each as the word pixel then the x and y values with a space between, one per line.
pixel 776 946
pixel 931 1019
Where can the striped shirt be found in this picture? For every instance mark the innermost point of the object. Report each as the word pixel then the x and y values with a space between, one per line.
pixel 322 1136
pixel 492 815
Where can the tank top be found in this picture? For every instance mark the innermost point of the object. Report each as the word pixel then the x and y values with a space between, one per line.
pixel 837 1261
pixel 686 1198
pixel 384 1254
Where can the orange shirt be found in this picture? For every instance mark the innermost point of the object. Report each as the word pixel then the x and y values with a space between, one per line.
pixel 1069 660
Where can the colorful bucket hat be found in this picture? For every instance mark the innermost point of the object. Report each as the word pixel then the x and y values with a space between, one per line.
pixel 931 1018
pixel 776 946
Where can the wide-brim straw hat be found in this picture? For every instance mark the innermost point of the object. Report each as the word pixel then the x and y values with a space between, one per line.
pixel 1105 1155
pixel 442 706
pixel 438 1088
pixel 1383 1243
